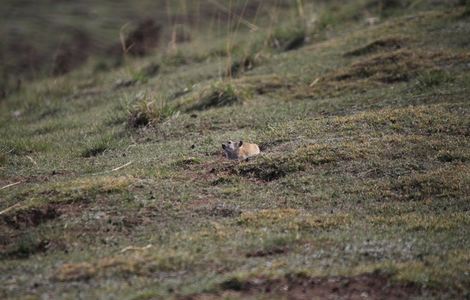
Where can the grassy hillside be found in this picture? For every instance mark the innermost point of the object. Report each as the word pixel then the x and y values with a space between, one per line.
pixel 113 183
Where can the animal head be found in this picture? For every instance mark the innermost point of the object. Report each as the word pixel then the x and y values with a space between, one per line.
pixel 232 147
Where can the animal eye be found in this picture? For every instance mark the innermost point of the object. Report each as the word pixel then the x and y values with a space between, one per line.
pixel 229 143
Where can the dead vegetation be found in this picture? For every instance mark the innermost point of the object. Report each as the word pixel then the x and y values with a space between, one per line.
pixel 396 66
pixel 218 94
pixel 150 112
pixel 144 261
pixel 402 65
pixel 442 183
pixel 125 192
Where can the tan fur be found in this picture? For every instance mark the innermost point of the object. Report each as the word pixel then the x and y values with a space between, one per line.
pixel 234 151
pixel 248 150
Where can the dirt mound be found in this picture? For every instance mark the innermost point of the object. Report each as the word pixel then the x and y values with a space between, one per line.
pixel 17 238
pixel 268 170
pixel 30 217
pixel 391 67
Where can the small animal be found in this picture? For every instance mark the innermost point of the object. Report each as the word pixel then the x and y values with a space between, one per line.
pixel 240 150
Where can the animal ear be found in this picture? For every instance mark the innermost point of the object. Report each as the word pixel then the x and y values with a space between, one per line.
pixel 240 144
pixel 223 146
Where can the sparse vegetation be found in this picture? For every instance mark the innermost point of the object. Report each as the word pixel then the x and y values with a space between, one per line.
pixel 288 38
pixel 218 94
pixel 433 78
pixel 112 178
pixel 152 112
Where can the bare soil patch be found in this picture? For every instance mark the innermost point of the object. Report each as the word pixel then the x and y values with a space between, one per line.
pixel 30 217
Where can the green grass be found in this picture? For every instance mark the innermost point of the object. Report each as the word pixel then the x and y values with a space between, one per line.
pixel 218 94
pixel 363 176
pixel 147 112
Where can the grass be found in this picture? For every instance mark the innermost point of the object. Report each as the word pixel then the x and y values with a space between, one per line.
pixel 362 183
pixel 433 78
pixel 218 94
pixel 288 38
pixel 150 112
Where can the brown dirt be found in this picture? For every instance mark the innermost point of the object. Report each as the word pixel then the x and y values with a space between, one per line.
pixel 30 217
pixel 17 238
pixel 266 171
pixel 20 219
pixel 299 287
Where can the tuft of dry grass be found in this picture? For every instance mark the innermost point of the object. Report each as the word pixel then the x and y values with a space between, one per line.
pixel 146 262
pixel 73 272
pixel 216 95
pixel 146 113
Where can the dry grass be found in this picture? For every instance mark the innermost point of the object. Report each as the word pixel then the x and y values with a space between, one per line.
pixel 293 219
pixel 362 184
pixel 402 65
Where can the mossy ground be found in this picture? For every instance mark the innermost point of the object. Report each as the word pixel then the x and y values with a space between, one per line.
pixel 365 131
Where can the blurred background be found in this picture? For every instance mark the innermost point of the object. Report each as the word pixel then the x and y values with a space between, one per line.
pixel 53 37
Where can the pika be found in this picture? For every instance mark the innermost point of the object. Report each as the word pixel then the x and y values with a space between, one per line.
pixel 240 150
